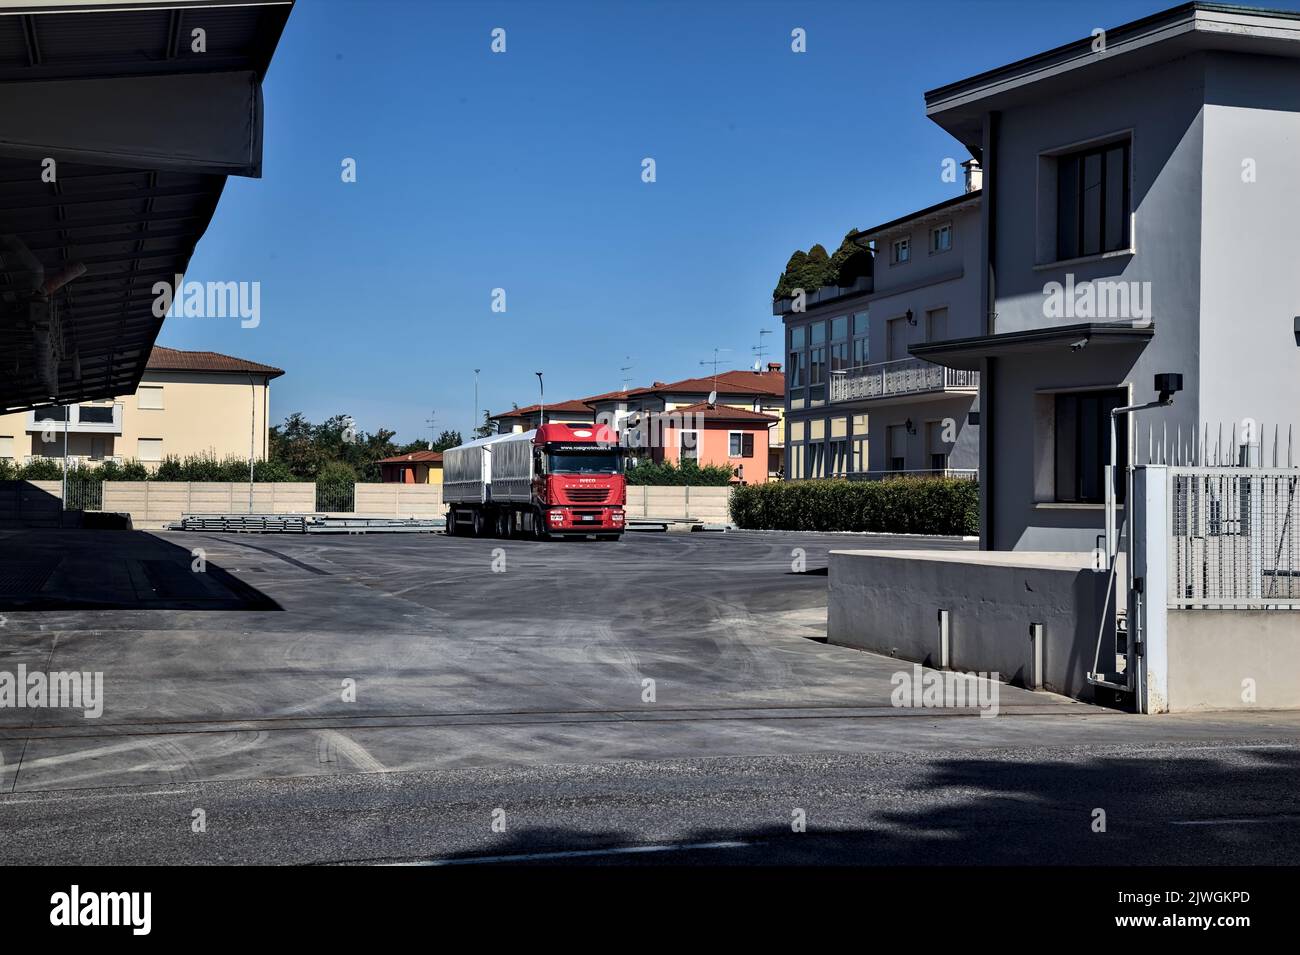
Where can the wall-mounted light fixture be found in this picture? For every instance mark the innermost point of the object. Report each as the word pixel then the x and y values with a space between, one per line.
pixel 911 428
pixel 911 319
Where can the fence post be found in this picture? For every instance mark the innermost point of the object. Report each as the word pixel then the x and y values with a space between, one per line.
pixel 1148 640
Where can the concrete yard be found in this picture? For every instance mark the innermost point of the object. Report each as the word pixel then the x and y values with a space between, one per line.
pixel 492 673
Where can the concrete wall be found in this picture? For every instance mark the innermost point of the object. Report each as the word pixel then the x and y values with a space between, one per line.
pixel 31 503
pixel 399 500
pixel 708 504
pixel 888 602
pixel 1211 653
pixel 152 504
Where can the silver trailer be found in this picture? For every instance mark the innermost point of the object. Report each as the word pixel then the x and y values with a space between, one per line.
pixel 496 468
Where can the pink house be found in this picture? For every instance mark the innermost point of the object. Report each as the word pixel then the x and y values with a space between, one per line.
pixel 736 438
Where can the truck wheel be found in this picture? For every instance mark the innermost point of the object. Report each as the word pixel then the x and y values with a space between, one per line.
pixel 451 523
pixel 476 523
pixel 539 526
pixel 504 520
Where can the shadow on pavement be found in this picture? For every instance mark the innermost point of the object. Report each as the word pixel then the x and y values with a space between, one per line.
pixel 52 569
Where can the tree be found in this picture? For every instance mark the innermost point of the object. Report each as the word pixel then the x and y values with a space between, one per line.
pixel 486 429
pixel 448 439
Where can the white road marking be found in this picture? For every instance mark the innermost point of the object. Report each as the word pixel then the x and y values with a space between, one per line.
pixel 582 853
pixel 1254 821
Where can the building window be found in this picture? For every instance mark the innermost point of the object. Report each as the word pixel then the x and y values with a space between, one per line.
pixel 149 398
pixel 900 251
pixel 941 238
pixel 839 356
pixel 740 444
pixel 149 449
pixel 1081 445
pixel 688 441
pixel 95 414
pixel 6 446
pixel 896 447
pixel 816 365
pixel 1092 201
pixel 936 324
pixel 840 328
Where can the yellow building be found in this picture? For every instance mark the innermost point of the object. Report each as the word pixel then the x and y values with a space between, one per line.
pixel 188 403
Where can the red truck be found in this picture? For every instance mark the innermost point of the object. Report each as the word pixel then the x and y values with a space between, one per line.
pixel 557 480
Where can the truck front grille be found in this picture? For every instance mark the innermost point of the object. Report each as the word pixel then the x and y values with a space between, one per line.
pixel 588 495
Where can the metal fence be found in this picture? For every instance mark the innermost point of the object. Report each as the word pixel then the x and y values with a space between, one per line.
pixel 335 498
pixel 1234 536
pixel 84 492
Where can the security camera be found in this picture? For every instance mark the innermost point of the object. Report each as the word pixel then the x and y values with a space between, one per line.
pixel 1168 384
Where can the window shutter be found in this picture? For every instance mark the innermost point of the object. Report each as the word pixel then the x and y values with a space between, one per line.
pixel 747 445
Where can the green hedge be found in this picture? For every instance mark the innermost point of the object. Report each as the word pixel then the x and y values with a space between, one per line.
pixel 666 473
pixel 894 506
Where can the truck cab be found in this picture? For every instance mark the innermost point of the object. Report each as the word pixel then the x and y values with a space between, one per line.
pixel 578 480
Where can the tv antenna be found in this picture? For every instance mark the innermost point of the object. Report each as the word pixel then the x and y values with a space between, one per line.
pixel 715 362
pixel 429 423
pixel 625 369
pixel 760 350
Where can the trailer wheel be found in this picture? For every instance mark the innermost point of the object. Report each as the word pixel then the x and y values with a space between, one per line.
pixel 451 523
pixel 505 522
pixel 476 523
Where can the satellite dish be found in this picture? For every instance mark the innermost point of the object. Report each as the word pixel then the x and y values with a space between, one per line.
pixel 713 398
pixel 758 365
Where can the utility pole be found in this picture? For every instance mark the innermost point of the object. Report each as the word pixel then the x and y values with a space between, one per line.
pixel 469 436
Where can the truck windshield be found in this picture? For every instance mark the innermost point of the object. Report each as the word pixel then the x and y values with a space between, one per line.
pixel 596 461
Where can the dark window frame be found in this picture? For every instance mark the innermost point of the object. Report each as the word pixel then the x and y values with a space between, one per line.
pixel 1074 200
pixel 1081 445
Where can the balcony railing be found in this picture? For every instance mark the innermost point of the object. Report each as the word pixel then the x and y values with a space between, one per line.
pixel 82 419
pixel 907 376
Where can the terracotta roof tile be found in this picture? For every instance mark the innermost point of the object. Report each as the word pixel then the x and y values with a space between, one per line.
pixel 174 359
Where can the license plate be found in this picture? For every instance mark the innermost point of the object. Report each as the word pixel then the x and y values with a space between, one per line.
pixel 588 517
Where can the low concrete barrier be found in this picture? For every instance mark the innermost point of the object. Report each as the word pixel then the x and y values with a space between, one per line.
pixel 153 504
pixel 398 500
pixel 1232 660
pixel 888 602
pixel 31 503
pixel 708 504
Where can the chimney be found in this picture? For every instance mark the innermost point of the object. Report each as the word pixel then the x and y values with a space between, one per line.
pixel 774 366
pixel 974 175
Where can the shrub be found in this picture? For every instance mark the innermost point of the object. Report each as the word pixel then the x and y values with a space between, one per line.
pixel 668 473
pixel 41 470
pixel 206 467
pixel 904 505
pixel 130 471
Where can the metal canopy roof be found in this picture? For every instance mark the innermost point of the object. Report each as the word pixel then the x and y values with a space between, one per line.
pixel 130 223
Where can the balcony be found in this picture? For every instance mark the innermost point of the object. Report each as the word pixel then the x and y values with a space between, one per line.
pixel 907 378
pixel 82 419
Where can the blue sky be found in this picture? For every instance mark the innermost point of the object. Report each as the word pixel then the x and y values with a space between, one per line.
pixel 522 171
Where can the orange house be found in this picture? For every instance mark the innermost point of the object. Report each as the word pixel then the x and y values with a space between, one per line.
pixel 734 438
pixel 417 467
